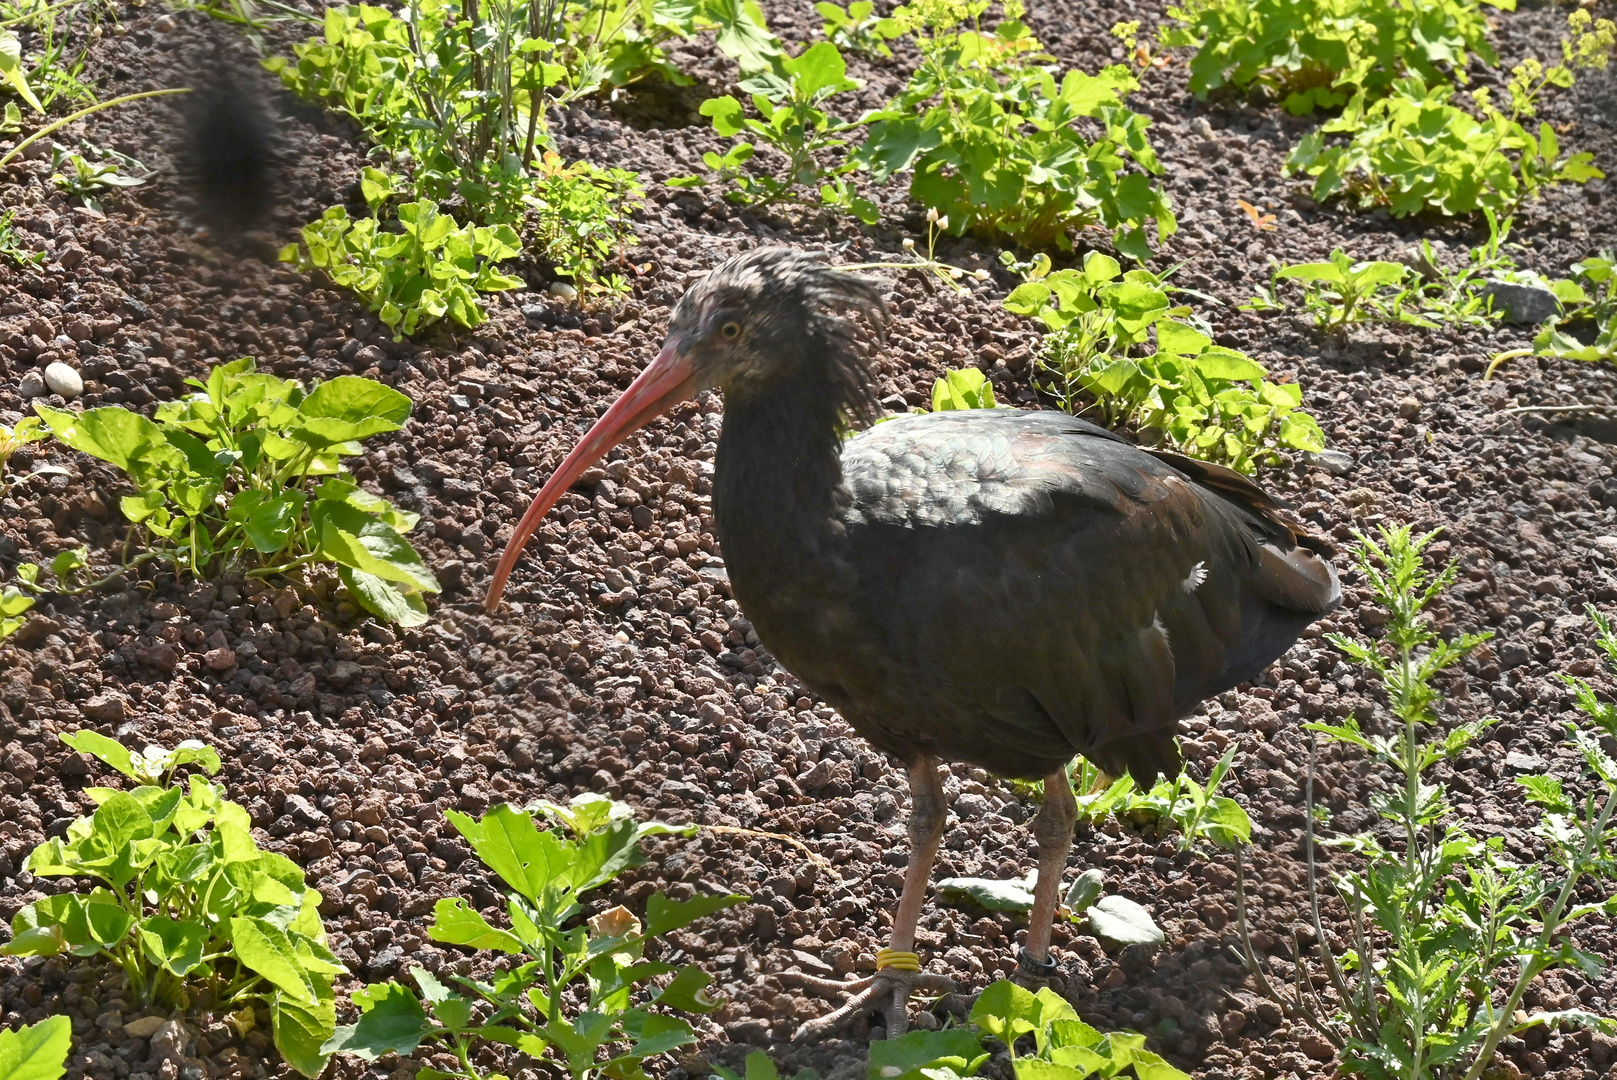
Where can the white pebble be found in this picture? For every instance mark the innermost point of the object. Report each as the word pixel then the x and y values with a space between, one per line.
pixel 63 380
pixel 32 385
pixel 561 289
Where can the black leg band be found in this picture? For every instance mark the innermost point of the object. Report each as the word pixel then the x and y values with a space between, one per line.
pixel 1040 969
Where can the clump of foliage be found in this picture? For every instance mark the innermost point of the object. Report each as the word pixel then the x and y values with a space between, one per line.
pixel 989 138
pixel 186 899
pixel 247 472
pixel 792 121
pixel 91 172
pixel 424 268
pixel 36 1051
pixel 1340 291
pixel 1447 931
pixel 1415 149
pixel 1591 302
pixel 1042 1033
pixel 857 27
pixel 1201 399
pixel 11 245
pixel 457 96
pixel 558 955
pixel 1318 53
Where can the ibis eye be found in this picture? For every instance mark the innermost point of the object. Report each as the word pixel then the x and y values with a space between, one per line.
pixel 731 330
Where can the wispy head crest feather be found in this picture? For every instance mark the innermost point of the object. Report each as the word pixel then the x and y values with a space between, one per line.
pixel 798 300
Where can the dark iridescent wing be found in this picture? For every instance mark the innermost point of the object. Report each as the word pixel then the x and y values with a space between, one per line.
pixel 1062 590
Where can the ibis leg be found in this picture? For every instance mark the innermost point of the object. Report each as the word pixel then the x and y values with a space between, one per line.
pixel 898 971
pixel 1052 830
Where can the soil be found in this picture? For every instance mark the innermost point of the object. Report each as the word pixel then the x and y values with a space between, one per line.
pixel 620 664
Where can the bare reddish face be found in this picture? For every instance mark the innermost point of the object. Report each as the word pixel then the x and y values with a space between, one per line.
pixel 667 380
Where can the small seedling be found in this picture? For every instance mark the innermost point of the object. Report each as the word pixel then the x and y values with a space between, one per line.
pixel 857 27
pixel 90 172
pixel 1340 292
pixel 11 248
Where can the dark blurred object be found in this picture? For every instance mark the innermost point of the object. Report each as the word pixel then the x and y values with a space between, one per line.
pixel 230 156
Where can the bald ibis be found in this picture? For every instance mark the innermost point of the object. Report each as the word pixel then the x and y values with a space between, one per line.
pixel 1005 588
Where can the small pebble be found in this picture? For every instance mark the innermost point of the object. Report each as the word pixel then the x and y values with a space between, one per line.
pixel 1335 462
pixel 63 380
pixel 31 385
pixel 1409 408
pixel 561 289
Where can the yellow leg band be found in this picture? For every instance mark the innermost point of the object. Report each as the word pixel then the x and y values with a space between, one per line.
pixel 897 960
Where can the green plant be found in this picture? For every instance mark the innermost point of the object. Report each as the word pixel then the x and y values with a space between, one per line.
pixel 38 1051
pixel 58 56
pixel 579 216
pixel 1317 53
pixel 1591 299
pixel 1447 932
pixel 1041 1032
pixel 414 269
pixel 247 472
pixel 75 173
pixel 12 438
pixel 992 142
pixel 966 388
pixel 791 121
pixel 11 248
pixel 857 27
pixel 561 958
pixel 14 608
pixel 1339 292
pixel 1201 399
pixel 186 898
pixel 1415 150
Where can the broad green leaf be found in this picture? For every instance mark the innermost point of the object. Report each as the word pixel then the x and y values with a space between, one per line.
pixel 663 914
pixel 265 948
pixel 914 1055
pixel 688 991
pixel 1317 271
pixel 38 1052
pixel 1179 339
pixel 383 599
pixel 990 893
pixel 1085 890
pixel 349 408
pixel 1221 363
pixel 119 437
pixel 303 1026
pixel 527 859
pixel 455 923
pixel 391 1021
pixel 109 751
pixel 173 945
pixel 1123 921
pixel 364 542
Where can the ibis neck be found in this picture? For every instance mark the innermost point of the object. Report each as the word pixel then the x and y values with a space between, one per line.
pixel 777 477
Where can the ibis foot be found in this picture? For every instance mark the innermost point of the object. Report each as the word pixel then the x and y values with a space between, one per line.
pixel 1033 974
pixel 888 991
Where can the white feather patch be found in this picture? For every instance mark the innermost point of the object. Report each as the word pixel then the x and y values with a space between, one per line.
pixel 1198 574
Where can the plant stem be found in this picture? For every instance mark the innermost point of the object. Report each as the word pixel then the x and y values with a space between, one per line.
pixel 56 125
pixel 1534 960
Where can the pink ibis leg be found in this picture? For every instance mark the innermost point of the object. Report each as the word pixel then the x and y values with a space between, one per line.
pixel 898 973
pixel 1052 830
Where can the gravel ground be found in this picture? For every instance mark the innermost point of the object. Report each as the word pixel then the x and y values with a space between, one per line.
pixel 620 663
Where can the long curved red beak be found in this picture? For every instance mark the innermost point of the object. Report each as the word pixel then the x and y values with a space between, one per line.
pixel 666 382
